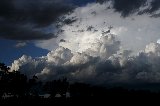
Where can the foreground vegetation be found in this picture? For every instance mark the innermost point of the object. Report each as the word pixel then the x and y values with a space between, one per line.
pixel 17 88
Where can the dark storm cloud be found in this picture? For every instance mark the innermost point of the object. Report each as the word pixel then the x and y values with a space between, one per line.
pixel 69 21
pixel 24 19
pixel 155 5
pixel 128 7
pixel 21 32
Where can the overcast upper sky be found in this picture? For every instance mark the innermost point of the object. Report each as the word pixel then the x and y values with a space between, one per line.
pixel 27 21
pixel 23 22
pixel 31 20
pixel 99 41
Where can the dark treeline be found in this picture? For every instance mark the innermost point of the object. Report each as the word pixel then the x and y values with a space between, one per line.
pixel 17 88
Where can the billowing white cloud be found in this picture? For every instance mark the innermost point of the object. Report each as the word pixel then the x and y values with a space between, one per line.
pixel 153 48
pixel 93 20
pixel 91 50
pixel 59 56
pixel 60 60
pixel 21 61
pixel 118 67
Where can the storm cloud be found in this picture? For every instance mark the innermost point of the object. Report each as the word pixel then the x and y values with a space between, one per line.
pixel 28 19
pixel 115 67
pixel 129 7
pixel 110 42
pixel 33 20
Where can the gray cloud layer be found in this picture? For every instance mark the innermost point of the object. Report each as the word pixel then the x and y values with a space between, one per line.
pixel 128 7
pixel 26 19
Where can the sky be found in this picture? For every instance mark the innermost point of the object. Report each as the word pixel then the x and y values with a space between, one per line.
pixel 17 35
pixel 93 41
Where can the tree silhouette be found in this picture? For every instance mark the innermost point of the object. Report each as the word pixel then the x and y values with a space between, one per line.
pixel 59 86
pixel 12 82
pixel 4 68
pixel 3 71
pixel 20 87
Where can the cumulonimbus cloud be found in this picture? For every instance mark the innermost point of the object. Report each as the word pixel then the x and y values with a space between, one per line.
pixel 28 20
pixel 103 68
pixel 128 7
pixel 93 20
pixel 93 48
